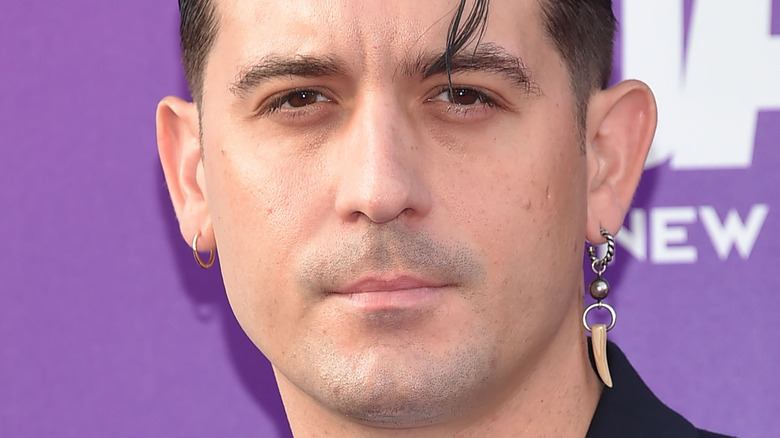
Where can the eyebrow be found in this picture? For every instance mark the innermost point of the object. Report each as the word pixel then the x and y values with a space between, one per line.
pixel 272 67
pixel 486 58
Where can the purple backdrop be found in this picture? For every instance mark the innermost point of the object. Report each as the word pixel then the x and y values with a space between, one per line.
pixel 109 328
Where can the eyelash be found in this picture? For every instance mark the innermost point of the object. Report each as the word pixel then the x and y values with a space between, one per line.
pixel 484 99
pixel 277 102
pixel 475 111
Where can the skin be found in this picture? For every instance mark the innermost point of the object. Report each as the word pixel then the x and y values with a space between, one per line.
pixel 410 267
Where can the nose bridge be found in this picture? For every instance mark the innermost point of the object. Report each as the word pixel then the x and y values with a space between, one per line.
pixel 380 127
pixel 381 177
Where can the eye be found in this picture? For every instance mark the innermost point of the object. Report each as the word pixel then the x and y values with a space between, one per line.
pixel 463 96
pixel 297 99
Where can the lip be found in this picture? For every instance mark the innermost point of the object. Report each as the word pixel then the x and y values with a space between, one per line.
pixel 401 292
pixel 387 284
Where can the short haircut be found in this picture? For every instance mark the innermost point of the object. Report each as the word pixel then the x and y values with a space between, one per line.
pixel 584 33
pixel 582 30
pixel 198 31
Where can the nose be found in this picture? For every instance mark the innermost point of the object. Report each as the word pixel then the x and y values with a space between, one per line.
pixel 381 171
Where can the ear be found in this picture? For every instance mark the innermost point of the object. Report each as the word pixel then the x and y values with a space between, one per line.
pixel 178 142
pixel 619 131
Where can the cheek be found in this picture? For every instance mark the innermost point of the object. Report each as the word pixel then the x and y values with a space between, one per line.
pixel 522 201
pixel 526 180
pixel 256 205
pixel 251 201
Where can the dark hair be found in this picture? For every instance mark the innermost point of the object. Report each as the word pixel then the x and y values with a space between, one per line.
pixel 584 33
pixel 582 30
pixel 198 31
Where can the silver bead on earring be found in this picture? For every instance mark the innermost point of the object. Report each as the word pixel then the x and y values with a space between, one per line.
pixel 599 290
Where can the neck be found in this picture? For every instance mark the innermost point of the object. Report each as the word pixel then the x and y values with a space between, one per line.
pixel 557 396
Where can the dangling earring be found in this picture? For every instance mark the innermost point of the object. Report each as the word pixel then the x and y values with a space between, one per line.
pixel 201 263
pixel 599 289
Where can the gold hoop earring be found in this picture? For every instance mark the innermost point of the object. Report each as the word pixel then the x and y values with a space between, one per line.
pixel 201 263
pixel 599 289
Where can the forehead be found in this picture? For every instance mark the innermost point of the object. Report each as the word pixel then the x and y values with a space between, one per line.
pixel 376 33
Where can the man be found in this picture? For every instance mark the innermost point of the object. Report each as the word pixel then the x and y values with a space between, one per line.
pixel 400 193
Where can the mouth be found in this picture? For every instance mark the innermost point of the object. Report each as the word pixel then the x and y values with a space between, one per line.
pixel 381 294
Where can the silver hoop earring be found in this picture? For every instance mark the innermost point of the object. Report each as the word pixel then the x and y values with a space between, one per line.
pixel 599 289
pixel 201 263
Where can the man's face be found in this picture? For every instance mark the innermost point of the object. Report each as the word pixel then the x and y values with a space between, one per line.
pixel 398 257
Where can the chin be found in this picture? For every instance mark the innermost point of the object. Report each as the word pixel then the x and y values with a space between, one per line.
pixel 398 386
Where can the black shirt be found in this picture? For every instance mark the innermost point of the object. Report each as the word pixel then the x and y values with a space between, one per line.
pixel 630 410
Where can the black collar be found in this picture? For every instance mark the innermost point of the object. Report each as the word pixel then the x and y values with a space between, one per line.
pixel 630 409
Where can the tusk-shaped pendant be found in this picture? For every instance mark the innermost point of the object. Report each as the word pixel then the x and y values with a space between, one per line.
pixel 598 340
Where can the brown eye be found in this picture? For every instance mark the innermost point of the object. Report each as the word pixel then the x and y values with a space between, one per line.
pixel 465 96
pixel 302 98
pixel 296 99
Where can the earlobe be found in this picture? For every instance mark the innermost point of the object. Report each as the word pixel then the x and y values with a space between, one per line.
pixel 178 143
pixel 620 128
